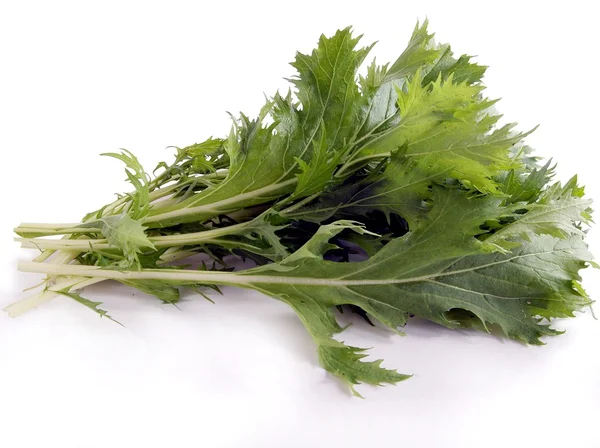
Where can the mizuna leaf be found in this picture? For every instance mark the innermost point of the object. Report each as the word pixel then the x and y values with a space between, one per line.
pixel 139 179
pixel 462 70
pixel 265 158
pixel 164 291
pixel 343 361
pixel 89 304
pixel 444 271
pixel 444 126
pixel 125 234
pixel 391 192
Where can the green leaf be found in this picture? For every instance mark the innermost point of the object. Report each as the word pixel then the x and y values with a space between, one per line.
pixel 445 127
pixel 460 222
pixel 136 175
pixel 316 175
pixel 265 158
pixel 526 185
pixel 462 70
pixel 327 89
pixel 259 236
pixel 557 210
pixel 162 290
pixel 345 362
pixel 441 271
pixel 89 304
pixel 419 52
pixel 402 188
pixel 205 154
pixel 379 111
pixel 125 234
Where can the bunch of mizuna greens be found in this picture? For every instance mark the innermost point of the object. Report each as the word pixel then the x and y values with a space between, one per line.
pixel 391 194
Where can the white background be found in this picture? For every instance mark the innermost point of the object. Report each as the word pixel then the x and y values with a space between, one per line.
pixel 81 78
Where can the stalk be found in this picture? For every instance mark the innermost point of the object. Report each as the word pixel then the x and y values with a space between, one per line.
pixel 185 239
pixel 69 248
pixel 156 197
pixel 74 283
pixel 183 276
pixel 33 301
pixel 224 206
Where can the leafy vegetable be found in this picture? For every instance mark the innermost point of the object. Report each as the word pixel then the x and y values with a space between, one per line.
pixel 457 222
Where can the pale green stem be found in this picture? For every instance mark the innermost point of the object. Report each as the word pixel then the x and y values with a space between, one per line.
pixel 352 164
pixel 299 204
pixel 158 241
pixel 208 210
pixel 75 283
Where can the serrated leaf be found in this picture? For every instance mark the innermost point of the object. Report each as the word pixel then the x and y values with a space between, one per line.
pixel 345 362
pixel 462 70
pixel 164 291
pixel 89 304
pixel 459 222
pixel 264 158
pixel 316 175
pixel 555 213
pixel 203 154
pixel 125 234
pixel 379 111
pixel 444 126
pixel 526 185
pixel 442 266
pixel 140 201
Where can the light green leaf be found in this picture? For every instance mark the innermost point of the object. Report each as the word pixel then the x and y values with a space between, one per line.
pixel 461 69
pixel 140 201
pixel 556 211
pixel 203 154
pixel 419 53
pixel 444 126
pixel 125 234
